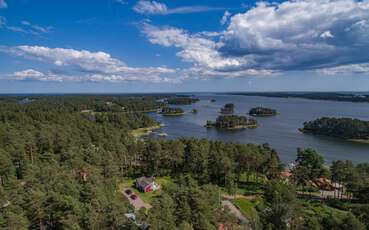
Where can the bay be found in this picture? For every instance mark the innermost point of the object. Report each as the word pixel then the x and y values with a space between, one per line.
pixel 280 131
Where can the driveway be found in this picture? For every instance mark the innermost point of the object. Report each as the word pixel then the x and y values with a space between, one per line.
pixel 138 203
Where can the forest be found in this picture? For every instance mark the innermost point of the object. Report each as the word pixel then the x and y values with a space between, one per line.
pixel 61 168
pixel 344 128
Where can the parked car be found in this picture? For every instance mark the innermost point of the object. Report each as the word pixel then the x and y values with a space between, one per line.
pixel 128 191
pixel 133 197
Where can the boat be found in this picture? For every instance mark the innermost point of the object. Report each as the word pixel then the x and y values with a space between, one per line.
pixel 162 134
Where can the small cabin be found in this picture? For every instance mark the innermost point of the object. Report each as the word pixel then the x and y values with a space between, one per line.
pixel 147 184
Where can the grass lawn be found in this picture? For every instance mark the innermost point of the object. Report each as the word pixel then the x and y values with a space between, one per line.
pixel 246 207
pixel 146 197
pixel 317 208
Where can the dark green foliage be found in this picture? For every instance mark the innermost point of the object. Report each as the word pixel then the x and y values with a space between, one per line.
pixel 310 166
pixel 345 128
pixel 187 205
pixel 228 108
pixel 282 205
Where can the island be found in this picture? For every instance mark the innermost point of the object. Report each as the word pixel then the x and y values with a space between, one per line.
pixel 344 128
pixel 182 100
pixel 232 122
pixel 227 109
pixel 194 111
pixel 262 112
pixel 172 111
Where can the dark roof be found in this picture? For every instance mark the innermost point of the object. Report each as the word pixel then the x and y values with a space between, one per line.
pixel 144 181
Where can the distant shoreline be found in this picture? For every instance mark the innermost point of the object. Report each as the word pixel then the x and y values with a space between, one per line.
pixel 326 96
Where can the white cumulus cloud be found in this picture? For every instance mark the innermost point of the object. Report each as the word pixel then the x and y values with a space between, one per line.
pixel 31 74
pixel 84 65
pixel 299 35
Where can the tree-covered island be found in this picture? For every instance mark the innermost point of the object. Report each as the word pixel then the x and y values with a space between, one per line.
pixel 343 128
pixel 262 112
pixel 232 122
pixel 172 111
pixel 182 100
pixel 227 109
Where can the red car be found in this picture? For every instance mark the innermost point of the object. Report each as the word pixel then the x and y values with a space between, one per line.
pixel 133 197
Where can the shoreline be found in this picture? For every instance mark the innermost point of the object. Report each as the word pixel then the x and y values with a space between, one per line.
pixel 144 131
pixel 173 114
pixel 358 141
pixel 263 115
pixel 233 128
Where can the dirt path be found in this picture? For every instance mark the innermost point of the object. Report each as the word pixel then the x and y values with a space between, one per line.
pixel 138 203
pixel 235 211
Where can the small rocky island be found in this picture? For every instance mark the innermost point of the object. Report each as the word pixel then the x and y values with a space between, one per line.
pixel 262 112
pixel 344 128
pixel 232 122
pixel 172 111
pixel 227 109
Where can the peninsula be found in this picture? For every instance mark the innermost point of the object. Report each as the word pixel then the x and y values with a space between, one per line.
pixel 344 128
pixel 172 111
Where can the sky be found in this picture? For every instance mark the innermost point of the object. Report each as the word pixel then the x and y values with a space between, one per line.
pixel 125 46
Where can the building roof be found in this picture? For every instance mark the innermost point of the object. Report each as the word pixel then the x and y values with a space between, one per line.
pixel 144 181
pixel 286 174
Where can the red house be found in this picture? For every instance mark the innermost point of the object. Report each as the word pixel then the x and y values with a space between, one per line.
pixel 146 184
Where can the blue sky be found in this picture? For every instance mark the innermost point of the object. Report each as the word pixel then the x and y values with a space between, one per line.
pixel 126 46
